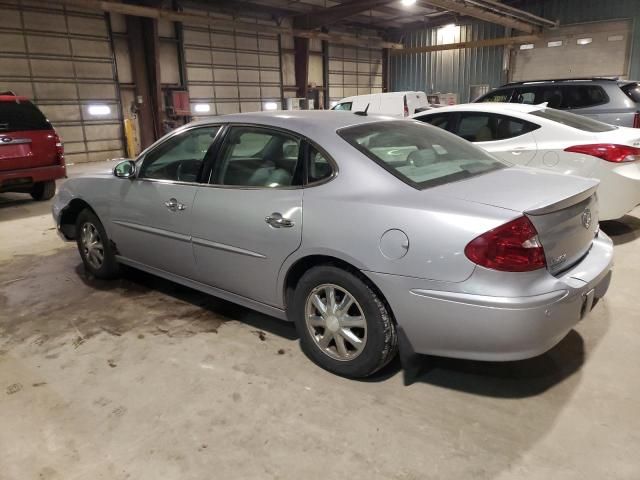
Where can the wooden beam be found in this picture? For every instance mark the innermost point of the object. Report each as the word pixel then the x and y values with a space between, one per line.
pixel 492 42
pixel 331 15
pixel 482 14
pixel 195 19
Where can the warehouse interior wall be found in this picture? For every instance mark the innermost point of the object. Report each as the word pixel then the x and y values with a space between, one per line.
pixel 70 60
pixel 462 71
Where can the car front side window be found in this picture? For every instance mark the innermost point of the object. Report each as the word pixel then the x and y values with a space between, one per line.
pixel 258 157
pixel 179 158
pixel 438 120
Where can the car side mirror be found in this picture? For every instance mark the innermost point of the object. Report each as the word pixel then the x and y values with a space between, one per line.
pixel 125 169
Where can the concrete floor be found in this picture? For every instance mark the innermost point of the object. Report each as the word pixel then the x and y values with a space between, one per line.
pixel 143 379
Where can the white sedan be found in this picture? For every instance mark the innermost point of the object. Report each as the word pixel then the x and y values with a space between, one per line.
pixel 542 137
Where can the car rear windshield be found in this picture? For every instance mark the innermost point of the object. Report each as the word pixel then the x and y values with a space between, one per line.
pixel 572 120
pixel 418 154
pixel 23 115
pixel 633 91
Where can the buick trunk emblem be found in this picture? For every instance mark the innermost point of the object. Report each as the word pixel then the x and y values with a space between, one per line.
pixel 586 218
pixel 5 139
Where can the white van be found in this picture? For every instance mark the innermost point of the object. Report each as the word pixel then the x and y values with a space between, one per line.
pixel 398 104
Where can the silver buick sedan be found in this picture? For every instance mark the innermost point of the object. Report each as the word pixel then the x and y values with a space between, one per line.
pixel 357 228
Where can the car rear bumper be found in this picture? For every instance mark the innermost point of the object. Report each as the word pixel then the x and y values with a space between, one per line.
pixel 17 180
pixel 492 326
pixel 619 190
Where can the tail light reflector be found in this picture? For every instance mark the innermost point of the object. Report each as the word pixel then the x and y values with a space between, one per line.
pixel 636 120
pixel 608 151
pixel 59 149
pixel 512 247
pixel 406 107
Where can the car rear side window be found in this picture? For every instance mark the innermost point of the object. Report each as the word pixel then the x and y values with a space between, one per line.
pixel 420 156
pixel 632 90
pixel 502 95
pixel 562 96
pixel 20 116
pixel 439 120
pixel 572 120
pixel 489 127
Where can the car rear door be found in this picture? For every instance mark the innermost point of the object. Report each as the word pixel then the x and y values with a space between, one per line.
pixel 248 220
pixel 27 139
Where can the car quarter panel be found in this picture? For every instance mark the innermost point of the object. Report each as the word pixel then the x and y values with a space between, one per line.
pixel 525 314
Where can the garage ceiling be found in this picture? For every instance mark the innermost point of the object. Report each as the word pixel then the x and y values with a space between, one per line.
pixel 389 16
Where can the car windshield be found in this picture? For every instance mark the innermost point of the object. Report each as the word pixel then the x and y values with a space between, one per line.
pixel 633 91
pixel 572 120
pixel 418 154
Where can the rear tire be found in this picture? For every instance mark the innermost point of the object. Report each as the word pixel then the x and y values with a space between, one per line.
pixel 42 191
pixel 343 324
pixel 95 247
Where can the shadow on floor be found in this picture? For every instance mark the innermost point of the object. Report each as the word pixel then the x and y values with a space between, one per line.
pixel 137 282
pixel 622 231
pixel 515 379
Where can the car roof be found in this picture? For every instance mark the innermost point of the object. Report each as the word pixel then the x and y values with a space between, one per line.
pixel 497 107
pixel 306 122
pixel 12 98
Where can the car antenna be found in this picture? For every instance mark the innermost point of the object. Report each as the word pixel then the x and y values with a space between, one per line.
pixel 364 112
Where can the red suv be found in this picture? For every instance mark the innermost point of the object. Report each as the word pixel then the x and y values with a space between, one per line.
pixel 31 153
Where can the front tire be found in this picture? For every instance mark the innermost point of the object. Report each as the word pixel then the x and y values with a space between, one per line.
pixel 343 324
pixel 94 246
pixel 42 191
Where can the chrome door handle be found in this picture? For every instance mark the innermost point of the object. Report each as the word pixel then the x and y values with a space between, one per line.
pixel 174 205
pixel 276 220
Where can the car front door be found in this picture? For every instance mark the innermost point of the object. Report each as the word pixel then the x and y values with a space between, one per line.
pixel 506 137
pixel 151 213
pixel 248 220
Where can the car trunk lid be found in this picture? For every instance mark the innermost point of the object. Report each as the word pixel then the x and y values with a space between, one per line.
pixel 619 136
pixel 562 208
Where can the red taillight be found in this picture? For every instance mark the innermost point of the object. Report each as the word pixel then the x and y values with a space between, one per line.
pixel 59 149
pixel 512 247
pixel 406 107
pixel 608 151
pixel 636 120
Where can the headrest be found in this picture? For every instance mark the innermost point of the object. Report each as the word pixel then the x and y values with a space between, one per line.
pixel 420 158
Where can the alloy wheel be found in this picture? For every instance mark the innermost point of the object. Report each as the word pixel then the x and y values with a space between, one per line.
pixel 92 245
pixel 336 322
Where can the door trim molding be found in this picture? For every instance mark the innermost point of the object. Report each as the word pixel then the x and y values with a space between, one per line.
pixel 227 248
pixel 154 231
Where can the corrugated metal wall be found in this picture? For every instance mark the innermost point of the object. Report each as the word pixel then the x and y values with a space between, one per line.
pixel 452 70
pixel 62 59
pixel 456 70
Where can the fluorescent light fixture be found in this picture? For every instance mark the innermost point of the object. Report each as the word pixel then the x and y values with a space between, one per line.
pixel 408 3
pixel 555 43
pixel 99 110
pixel 202 107
pixel 615 38
pixel 271 106
pixel 526 46
pixel 584 41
